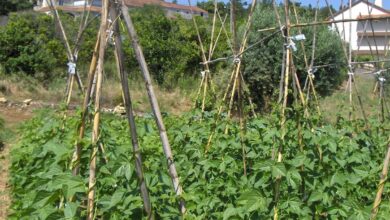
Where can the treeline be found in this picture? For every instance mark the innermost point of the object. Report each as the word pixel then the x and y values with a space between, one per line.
pixel 31 43
pixel 8 6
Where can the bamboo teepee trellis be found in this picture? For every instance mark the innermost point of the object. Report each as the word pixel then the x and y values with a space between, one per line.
pixel 115 9
pixel 236 79
pixel 71 54
pixel 112 9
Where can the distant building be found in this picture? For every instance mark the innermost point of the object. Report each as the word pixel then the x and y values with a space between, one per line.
pixel 366 36
pixel 76 6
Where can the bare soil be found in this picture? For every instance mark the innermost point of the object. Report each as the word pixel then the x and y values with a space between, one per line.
pixel 12 116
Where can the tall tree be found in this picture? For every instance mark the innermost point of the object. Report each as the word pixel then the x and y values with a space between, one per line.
pixel 8 6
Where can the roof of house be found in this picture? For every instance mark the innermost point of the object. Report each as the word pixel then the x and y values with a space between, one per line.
pixel 362 1
pixel 130 3
pixel 141 3
pixel 70 8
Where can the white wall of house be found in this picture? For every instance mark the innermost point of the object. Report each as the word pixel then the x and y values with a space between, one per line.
pixel 344 28
pixel 171 12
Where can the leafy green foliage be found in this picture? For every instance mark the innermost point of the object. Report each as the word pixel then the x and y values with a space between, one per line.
pixel 328 172
pixel 263 63
pixel 224 8
pixel 170 45
pixel 28 44
pixel 7 6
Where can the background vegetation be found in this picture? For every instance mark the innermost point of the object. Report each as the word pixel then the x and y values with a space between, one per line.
pixel 263 63
pixel 30 43
pixel 8 6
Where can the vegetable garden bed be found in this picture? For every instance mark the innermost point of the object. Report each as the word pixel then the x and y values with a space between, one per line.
pixel 328 172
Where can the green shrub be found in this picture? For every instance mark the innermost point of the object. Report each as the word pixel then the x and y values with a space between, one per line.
pixel 170 45
pixel 263 63
pixel 7 6
pixel 28 44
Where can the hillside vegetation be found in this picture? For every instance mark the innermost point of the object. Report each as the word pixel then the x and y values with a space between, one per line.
pixel 30 44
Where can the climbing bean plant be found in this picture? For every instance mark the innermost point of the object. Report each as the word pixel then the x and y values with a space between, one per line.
pixel 328 171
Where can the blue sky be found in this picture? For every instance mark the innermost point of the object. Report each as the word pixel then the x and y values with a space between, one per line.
pixel 336 3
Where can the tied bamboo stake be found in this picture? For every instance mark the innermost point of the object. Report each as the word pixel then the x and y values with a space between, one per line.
pixel 347 57
pixel 155 107
pixel 309 80
pixel 381 185
pixel 206 77
pixel 350 79
pixel 381 98
pixel 87 98
pixel 130 116
pixel 233 78
pixel 320 23
pixel 284 105
pixel 96 119
pixel 69 53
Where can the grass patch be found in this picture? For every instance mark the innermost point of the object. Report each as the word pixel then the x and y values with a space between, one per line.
pixel 338 103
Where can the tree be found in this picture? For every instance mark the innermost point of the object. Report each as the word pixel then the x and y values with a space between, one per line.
pixel 263 63
pixel 170 45
pixel 7 6
pixel 28 44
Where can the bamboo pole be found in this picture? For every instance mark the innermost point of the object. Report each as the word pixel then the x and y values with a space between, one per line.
pixel 239 52
pixel 231 80
pixel 96 119
pixel 381 185
pixel 348 57
pixel 204 57
pixel 129 113
pixel 242 122
pixel 372 32
pixel 87 97
pixel 337 29
pixel 245 87
pixel 284 106
pixel 350 60
pixel 213 28
pixel 234 75
pixel 310 78
pixel 199 90
pixel 281 83
pixel 218 36
pixel 154 104
pixel 224 30
pixel 320 23
pixel 66 41
pixel 381 100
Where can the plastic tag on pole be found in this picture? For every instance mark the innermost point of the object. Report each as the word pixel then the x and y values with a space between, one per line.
pixel 71 68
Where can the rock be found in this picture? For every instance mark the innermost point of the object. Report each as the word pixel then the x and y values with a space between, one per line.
pixel 120 110
pixel 27 101
pixel 3 100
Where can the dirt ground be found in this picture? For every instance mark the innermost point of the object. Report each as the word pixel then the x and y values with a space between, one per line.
pixel 12 116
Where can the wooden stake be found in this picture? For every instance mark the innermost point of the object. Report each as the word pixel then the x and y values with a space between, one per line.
pixel 154 104
pixel 284 106
pixel 234 75
pixel 87 97
pixel 381 185
pixel 130 116
pixel 66 42
pixel 96 119
pixel 320 23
